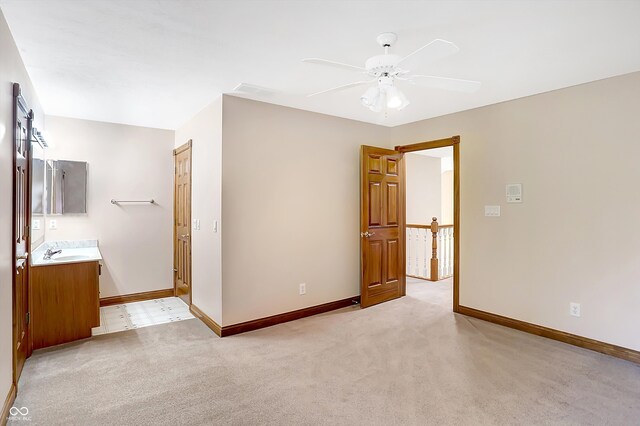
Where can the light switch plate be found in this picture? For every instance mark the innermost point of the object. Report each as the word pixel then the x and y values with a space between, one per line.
pixel 492 211
pixel 36 224
pixel 215 226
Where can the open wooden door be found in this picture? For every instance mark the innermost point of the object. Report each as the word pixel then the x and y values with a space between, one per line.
pixel 182 223
pixel 21 222
pixel 382 234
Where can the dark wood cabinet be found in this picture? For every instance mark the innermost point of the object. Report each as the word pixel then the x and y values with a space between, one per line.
pixel 65 302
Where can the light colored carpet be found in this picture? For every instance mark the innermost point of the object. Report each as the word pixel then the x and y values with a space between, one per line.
pixel 406 362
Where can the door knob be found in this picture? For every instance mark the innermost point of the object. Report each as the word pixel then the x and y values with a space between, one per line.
pixel 22 256
pixel 367 234
pixel 184 236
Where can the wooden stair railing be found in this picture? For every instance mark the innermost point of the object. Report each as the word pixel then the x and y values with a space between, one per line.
pixel 441 261
pixel 433 276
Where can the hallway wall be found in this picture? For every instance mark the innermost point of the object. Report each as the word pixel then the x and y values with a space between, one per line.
pixel 291 207
pixel 576 236
pixel 446 180
pixel 424 189
pixel 205 131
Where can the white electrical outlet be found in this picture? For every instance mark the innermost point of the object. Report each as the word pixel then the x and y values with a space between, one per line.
pixel 574 309
pixel 303 288
pixel 53 224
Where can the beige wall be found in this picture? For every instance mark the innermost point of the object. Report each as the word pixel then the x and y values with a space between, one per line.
pixel 291 196
pixel 446 180
pixel 11 70
pixel 576 236
pixel 205 131
pixel 423 188
pixel 124 162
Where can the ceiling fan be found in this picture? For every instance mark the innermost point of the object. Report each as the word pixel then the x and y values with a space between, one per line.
pixel 387 69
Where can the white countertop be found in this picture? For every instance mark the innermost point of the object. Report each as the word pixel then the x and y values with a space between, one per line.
pixel 72 252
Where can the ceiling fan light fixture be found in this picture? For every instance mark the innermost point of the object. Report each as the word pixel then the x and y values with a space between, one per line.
pixel 390 68
pixel 370 97
pixel 396 99
pixel 381 101
pixel 393 97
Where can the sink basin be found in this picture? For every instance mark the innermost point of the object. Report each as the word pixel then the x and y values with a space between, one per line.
pixel 72 254
pixel 69 258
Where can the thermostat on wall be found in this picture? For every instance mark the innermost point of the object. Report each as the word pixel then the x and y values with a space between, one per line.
pixel 514 193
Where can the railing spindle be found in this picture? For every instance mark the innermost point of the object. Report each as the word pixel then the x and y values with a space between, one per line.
pixel 450 252
pixel 409 249
pixel 446 251
pixel 417 269
pixel 425 269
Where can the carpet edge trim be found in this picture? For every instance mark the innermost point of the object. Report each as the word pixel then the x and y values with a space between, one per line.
pixel 550 333
pixel 214 326
pixel 243 327
pixel 8 403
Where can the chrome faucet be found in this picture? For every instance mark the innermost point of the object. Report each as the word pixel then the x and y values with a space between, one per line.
pixel 49 253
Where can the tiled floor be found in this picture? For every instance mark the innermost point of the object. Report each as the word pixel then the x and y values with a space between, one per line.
pixel 141 314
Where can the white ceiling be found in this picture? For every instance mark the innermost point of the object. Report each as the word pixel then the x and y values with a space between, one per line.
pixel 157 62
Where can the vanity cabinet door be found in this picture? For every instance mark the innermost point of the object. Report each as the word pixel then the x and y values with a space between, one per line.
pixel 65 302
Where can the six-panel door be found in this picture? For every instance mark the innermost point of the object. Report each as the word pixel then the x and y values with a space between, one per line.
pixel 381 225
pixel 182 223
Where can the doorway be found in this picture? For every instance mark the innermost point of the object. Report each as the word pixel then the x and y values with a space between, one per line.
pixel 429 225
pixel 384 233
pixel 182 222
pixel 23 118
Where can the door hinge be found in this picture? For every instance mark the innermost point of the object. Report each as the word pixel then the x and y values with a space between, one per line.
pixel 26 231
pixel 28 317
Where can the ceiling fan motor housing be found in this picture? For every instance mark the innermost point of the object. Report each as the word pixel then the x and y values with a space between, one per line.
pixel 381 64
pixel 385 81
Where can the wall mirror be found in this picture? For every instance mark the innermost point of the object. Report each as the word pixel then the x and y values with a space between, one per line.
pixel 66 187
pixel 37 194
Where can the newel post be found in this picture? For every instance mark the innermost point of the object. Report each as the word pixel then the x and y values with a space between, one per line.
pixel 433 276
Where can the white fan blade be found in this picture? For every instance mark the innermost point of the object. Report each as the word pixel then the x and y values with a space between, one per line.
pixel 333 64
pixel 343 87
pixel 434 50
pixel 446 83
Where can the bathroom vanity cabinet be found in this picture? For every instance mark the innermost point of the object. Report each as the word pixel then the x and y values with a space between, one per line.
pixel 65 302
